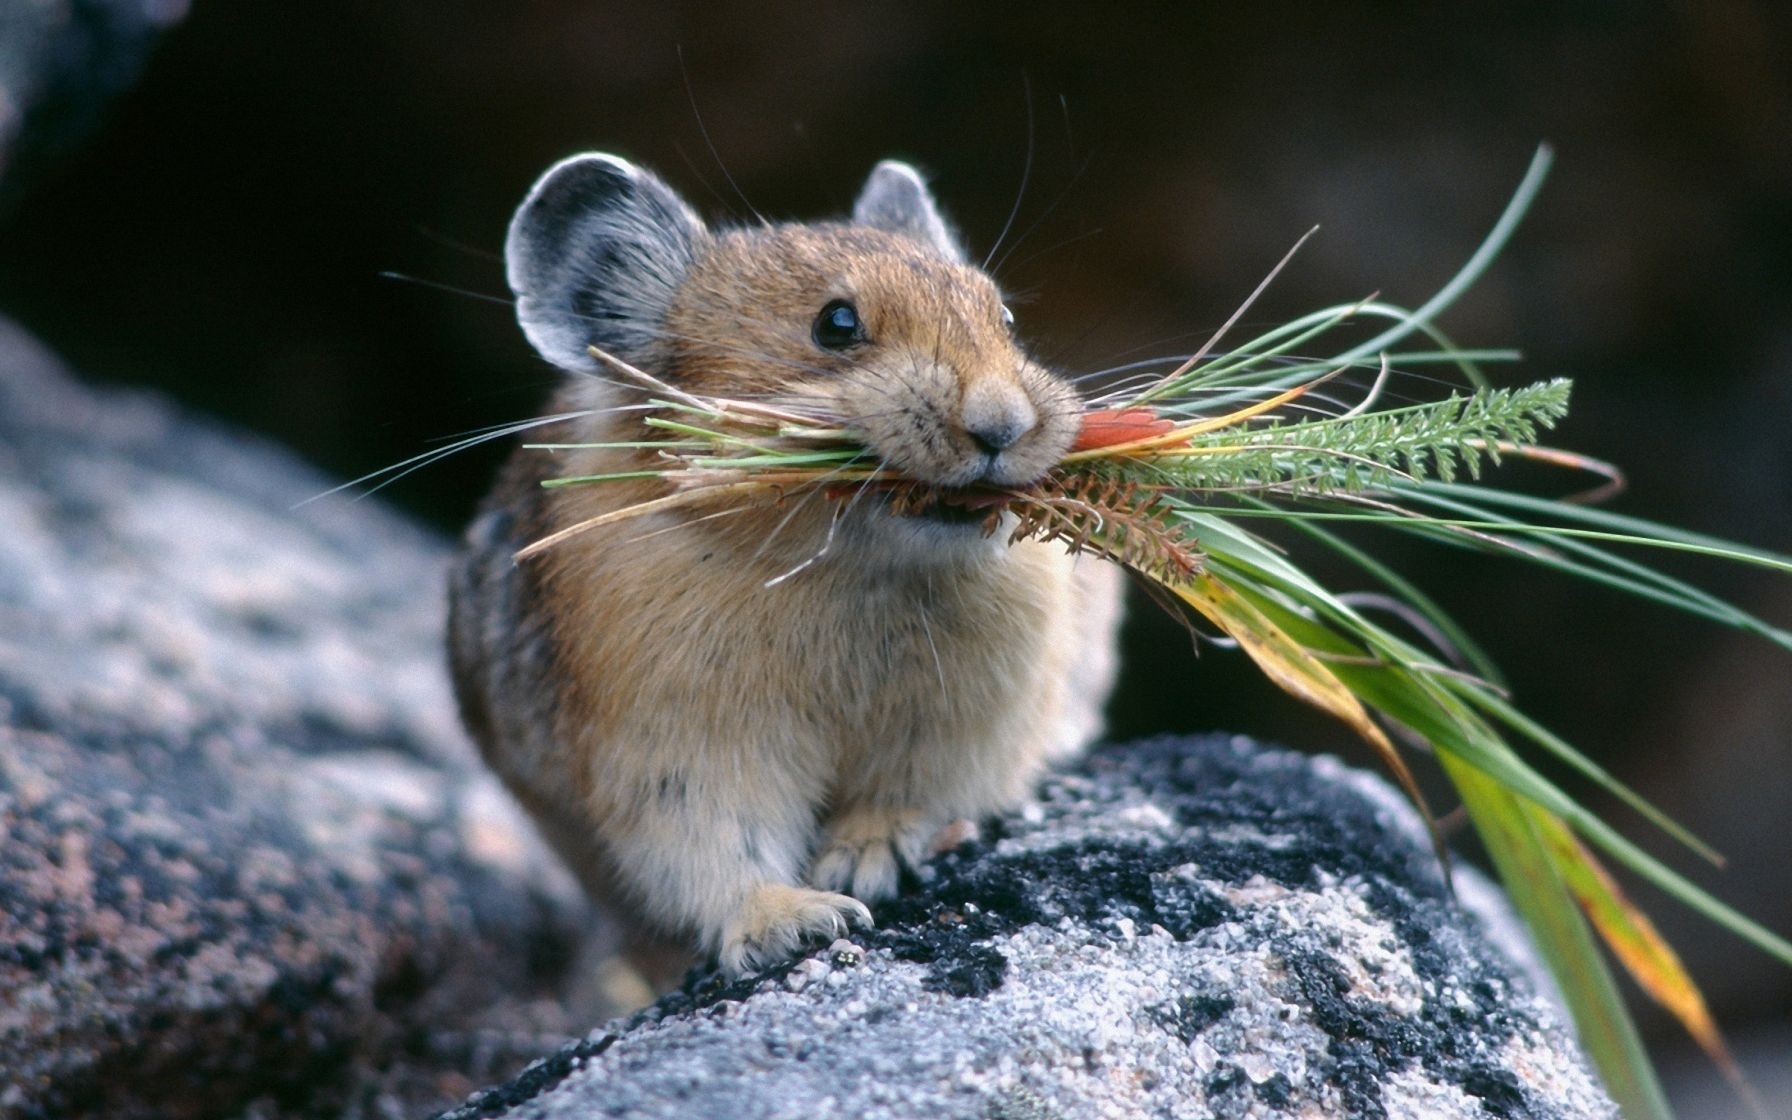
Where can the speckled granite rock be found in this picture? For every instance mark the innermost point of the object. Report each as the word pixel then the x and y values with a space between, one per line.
pixel 248 863
pixel 1194 928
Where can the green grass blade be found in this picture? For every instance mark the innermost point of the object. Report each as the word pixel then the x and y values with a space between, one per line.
pixel 1470 272
pixel 1602 566
pixel 1236 376
pixel 613 476
pixel 1404 590
pixel 1618 523
pixel 1429 704
pixel 1436 708
pixel 1563 939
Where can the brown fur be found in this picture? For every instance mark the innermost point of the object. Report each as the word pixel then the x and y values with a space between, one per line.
pixel 702 738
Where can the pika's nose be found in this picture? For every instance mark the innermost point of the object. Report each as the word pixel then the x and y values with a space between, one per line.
pixel 995 417
pixel 995 439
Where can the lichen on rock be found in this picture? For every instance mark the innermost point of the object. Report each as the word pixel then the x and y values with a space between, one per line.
pixel 1180 928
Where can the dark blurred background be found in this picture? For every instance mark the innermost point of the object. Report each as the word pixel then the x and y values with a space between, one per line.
pixel 221 235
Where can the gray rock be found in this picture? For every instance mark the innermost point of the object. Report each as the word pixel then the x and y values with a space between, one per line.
pixel 1180 928
pixel 247 859
pixel 61 61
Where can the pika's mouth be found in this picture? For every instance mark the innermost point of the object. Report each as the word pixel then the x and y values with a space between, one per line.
pixel 947 505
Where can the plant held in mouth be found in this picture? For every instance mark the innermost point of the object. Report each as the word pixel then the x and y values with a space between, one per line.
pixel 1172 474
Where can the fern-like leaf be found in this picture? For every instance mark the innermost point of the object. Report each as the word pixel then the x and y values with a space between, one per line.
pixel 1373 450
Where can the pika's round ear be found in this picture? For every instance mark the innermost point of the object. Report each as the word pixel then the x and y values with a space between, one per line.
pixel 594 255
pixel 896 199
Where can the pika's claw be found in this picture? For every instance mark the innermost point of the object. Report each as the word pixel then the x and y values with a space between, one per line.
pixel 776 920
pixel 867 849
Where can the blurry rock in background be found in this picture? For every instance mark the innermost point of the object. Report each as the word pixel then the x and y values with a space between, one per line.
pixel 61 64
pixel 249 860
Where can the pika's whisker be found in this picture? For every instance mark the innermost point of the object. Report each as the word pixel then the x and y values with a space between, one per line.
pixel 826 545
pixel 417 462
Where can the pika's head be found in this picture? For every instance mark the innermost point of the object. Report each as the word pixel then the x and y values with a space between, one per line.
pixel 878 321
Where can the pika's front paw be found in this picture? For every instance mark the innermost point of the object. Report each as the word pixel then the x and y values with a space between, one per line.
pixel 776 919
pixel 867 849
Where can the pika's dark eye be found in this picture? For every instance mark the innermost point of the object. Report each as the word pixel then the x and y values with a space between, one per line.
pixel 838 326
pixel 1007 317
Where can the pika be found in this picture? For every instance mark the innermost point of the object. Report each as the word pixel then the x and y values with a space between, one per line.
pixel 739 729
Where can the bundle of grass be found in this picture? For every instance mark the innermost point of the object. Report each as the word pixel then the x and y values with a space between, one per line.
pixel 1170 475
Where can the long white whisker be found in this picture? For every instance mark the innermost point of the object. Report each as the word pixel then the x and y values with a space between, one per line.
pixel 927 629
pixel 826 544
pixel 417 462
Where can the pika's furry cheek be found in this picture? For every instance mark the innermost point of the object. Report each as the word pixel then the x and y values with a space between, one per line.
pixel 1057 402
pixel 903 409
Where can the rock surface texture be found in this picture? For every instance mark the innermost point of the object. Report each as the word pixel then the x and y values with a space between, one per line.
pixel 1181 928
pixel 247 861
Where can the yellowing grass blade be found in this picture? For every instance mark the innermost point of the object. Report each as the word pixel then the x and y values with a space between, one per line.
pixel 1187 431
pixel 1643 952
pixel 1508 826
pixel 1631 936
pixel 670 501
pixel 1298 672
pixel 1550 877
